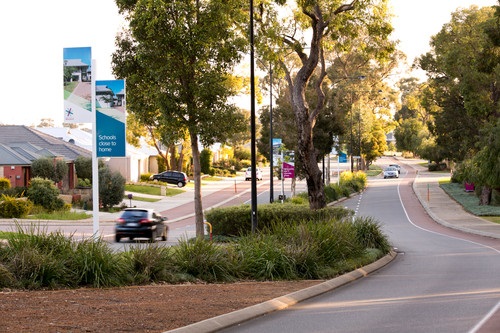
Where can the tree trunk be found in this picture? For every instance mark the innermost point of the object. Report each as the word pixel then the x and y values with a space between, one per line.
pixel 308 157
pixel 198 208
pixel 485 197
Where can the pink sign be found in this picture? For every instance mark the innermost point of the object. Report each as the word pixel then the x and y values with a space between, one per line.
pixel 288 170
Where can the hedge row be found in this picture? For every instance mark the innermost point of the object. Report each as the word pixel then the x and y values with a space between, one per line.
pixel 236 220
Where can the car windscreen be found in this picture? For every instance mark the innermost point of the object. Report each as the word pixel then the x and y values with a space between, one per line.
pixel 134 214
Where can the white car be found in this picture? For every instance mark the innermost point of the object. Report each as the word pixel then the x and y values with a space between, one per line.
pixel 396 166
pixel 391 172
pixel 248 174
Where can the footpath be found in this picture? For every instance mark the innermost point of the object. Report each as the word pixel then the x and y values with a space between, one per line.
pixel 445 210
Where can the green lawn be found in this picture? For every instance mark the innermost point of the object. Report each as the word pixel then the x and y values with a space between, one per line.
pixel 152 189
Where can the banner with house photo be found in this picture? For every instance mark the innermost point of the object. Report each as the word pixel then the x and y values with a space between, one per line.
pixel 110 118
pixel 77 79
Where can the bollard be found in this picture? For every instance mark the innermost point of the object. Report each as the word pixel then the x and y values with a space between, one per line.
pixel 209 229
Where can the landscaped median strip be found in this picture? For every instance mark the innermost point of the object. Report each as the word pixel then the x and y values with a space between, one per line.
pixel 230 319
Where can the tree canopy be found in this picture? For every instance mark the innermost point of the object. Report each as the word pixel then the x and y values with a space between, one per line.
pixel 177 56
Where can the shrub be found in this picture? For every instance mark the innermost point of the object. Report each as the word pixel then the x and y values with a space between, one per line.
pixel 264 258
pixel 369 234
pixel 95 264
pixel 38 259
pixel 205 159
pixel 236 220
pixel 11 207
pixel 111 187
pixel 145 177
pixel 43 192
pixel 151 264
pixel 354 182
pixel 4 184
pixel 204 260
pixel 18 191
pixel 84 182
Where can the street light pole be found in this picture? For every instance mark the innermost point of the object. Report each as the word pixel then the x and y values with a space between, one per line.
pixel 271 186
pixel 252 125
pixel 351 150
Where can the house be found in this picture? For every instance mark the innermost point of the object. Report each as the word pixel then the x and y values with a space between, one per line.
pixel 137 161
pixel 21 145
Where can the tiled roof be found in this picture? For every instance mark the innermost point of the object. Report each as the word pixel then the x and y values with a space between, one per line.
pixel 10 157
pixel 30 144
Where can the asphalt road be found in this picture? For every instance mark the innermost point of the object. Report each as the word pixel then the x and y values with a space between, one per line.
pixel 441 281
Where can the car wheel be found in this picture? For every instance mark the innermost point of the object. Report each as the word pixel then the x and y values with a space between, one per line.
pixel 180 184
pixel 385 177
pixel 117 238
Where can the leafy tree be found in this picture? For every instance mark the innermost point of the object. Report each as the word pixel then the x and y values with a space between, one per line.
pixel 111 187
pixel 83 167
pixel 328 23
pixel 43 168
pixel 464 68
pixel 408 135
pixel 176 56
pixel 60 170
pixel 48 168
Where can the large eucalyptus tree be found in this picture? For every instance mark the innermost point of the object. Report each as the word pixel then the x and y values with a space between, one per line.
pixel 297 40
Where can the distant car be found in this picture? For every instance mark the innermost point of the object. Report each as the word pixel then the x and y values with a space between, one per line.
pixel 248 174
pixel 140 223
pixel 391 172
pixel 397 167
pixel 171 177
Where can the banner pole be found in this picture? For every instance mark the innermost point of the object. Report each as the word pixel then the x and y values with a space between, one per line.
pixel 95 164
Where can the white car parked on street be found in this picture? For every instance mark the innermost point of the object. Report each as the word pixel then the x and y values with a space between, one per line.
pixel 248 174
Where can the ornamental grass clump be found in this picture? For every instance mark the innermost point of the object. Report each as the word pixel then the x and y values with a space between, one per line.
pixel 205 260
pixel 151 264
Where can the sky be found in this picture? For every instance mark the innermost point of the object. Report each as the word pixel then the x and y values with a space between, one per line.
pixel 33 34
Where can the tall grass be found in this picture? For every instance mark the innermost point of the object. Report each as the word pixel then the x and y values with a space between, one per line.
pixel 283 250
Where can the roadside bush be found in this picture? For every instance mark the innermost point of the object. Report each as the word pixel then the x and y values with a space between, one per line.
pixel 334 192
pixel 236 220
pixel 369 234
pixel 43 192
pixel 264 258
pixel 11 207
pixel 95 264
pixel 353 181
pixel 151 264
pixel 38 259
pixel 204 260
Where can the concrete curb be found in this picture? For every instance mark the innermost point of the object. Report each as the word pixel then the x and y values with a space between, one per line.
pixel 233 318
